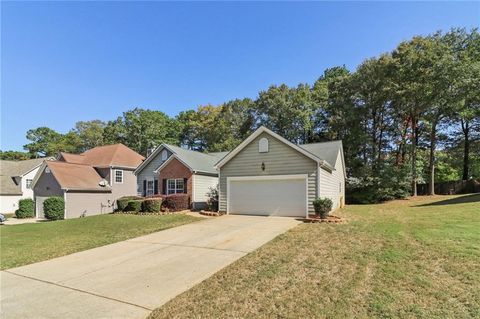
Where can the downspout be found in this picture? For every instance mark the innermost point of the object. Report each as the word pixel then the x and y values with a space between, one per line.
pixel 65 203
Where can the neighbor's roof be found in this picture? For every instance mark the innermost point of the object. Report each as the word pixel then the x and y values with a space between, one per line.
pixel 327 151
pixel 197 161
pixel 76 176
pixel 11 169
pixel 104 156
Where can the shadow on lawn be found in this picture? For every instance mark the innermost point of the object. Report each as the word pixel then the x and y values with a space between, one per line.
pixel 457 200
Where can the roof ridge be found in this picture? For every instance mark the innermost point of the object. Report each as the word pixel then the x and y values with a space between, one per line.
pixel 320 142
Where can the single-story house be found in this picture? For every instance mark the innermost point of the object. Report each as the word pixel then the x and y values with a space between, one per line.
pixel 268 175
pixel 90 182
pixel 16 179
pixel 171 170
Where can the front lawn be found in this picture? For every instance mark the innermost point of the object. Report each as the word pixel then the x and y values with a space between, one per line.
pixel 417 258
pixel 29 243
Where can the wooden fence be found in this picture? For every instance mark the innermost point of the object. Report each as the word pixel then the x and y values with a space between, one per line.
pixel 451 188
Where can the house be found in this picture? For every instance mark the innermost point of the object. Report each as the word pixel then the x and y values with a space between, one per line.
pixel 268 175
pixel 16 179
pixel 171 170
pixel 91 182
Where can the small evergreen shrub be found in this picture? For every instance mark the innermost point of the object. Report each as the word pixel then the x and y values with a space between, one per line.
pixel 26 208
pixel 152 205
pixel 134 206
pixel 322 207
pixel 122 202
pixel 176 202
pixel 212 201
pixel 54 208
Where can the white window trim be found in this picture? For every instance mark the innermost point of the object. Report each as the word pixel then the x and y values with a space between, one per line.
pixel 263 145
pixel 115 176
pixel 175 188
pixel 153 187
pixel 26 183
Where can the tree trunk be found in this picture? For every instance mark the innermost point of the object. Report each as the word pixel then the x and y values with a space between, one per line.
pixel 433 137
pixel 414 156
pixel 466 149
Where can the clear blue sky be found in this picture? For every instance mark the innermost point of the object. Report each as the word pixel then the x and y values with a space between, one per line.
pixel 66 62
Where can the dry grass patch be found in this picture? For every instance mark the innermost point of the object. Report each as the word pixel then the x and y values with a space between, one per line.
pixel 403 259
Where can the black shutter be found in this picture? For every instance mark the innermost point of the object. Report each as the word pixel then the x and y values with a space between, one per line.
pixel 144 187
pixel 155 187
pixel 185 185
pixel 164 186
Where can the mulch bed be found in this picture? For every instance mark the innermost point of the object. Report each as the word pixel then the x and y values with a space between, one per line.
pixel 213 214
pixel 330 219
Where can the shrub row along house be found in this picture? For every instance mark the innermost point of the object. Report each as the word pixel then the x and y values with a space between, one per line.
pixel 265 175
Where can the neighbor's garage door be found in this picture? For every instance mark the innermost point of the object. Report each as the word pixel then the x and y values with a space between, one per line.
pixel 271 195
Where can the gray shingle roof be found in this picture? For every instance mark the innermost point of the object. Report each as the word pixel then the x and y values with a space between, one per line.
pixel 327 151
pixel 197 161
pixel 9 170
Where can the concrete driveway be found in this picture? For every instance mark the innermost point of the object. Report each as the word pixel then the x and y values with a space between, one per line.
pixel 130 278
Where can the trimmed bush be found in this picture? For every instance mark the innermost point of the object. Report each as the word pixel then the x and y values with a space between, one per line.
pixel 152 205
pixel 134 205
pixel 322 207
pixel 26 208
pixel 122 202
pixel 176 202
pixel 54 208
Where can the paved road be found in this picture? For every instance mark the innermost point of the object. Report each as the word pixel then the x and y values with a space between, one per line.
pixel 130 278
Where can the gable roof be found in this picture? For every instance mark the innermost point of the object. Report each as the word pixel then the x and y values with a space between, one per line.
pixel 76 176
pixel 325 150
pixel 194 160
pixel 11 170
pixel 117 155
pixel 315 157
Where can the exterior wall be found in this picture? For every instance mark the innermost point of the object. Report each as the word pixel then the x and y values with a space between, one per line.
pixel 28 192
pixel 281 159
pixel 201 186
pixel 127 188
pixel 332 185
pixel 175 169
pixel 9 203
pixel 147 171
pixel 79 204
pixel 45 187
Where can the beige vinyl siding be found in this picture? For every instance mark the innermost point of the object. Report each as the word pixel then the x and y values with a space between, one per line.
pixel 46 186
pixel 129 185
pixel 330 183
pixel 88 203
pixel 147 171
pixel 202 185
pixel 281 159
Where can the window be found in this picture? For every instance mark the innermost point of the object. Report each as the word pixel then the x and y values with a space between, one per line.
pixel 28 183
pixel 118 176
pixel 175 186
pixel 164 155
pixel 263 145
pixel 150 186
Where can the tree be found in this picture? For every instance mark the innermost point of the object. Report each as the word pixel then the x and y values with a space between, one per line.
pixel 14 155
pixel 91 133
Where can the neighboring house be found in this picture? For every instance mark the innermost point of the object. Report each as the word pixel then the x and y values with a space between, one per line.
pixel 171 170
pixel 268 175
pixel 16 182
pixel 91 182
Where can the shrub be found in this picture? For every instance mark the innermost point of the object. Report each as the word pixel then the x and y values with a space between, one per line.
pixel 134 205
pixel 122 202
pixel 152 205
pixel 54 208
pixel 322 206
pixel 212 200
pixel 176 202
pixel 26 208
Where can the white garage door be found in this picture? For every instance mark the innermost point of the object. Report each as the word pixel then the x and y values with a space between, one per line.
pixel 271 195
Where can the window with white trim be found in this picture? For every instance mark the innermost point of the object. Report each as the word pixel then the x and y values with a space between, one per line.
pixel 150 187
pixel 28 183
pixel 118 176
pixel 175 186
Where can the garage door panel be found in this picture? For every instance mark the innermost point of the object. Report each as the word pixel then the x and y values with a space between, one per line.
pixel 277 197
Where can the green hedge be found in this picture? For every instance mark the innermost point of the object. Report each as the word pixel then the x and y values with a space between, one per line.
pixel 54 208
pixel 123 202
pixel 134 205
pixel 26 208
pixel 152 205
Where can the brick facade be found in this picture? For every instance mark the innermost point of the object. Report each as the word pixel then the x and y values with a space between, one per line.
pixel 173 170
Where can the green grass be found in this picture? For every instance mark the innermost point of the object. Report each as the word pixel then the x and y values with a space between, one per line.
pixel 29 243
pixel 417 258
